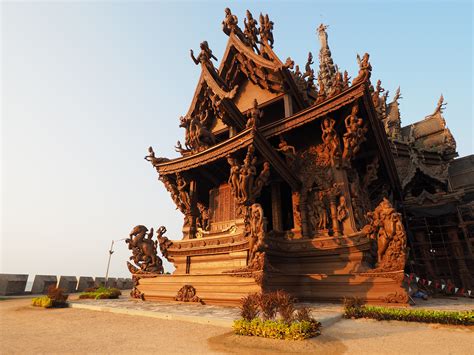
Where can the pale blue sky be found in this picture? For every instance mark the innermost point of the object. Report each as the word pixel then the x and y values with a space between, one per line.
pixel 88 86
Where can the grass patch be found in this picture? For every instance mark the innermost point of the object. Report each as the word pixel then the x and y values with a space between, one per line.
pixel 410 315
pixel 273 315
pixel 98 293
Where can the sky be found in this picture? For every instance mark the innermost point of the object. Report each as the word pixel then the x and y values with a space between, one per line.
pixel 87 86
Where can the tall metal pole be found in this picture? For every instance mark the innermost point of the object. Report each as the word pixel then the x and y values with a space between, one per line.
pixel 111 251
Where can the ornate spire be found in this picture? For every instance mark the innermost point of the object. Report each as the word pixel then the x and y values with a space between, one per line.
pixel 327 70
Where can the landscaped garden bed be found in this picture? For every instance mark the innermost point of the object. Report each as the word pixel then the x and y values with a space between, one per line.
pixel 273 315
pixel 54 299
pixel 98 293
pixel 353 309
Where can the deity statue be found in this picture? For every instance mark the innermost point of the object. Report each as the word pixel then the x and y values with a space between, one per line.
pixel 330 139
pixel 254 115
pixel 251 31
pixel 246 186
pixel 182 187
pixel 288 151
pixel 387 230
pixel 144 252
pixel 256 228
pixel 266 30
pixel 376 94
pixel 204 57
pixel 307 69
pixel 230 22
pixel 365 69
pixel 354 136
pixel 345 80
pixel 203 219
pixel 234 176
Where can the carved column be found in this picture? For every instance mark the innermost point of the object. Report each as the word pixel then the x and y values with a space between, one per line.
pixel 295 200
pixel 193 210
pixel 333 208
pixel 276 207
pixel 458 253
pixel 425 254
pixel 305 230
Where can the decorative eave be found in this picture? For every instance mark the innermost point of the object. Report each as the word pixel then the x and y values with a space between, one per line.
pixel 313 112
pixel 218 151
pixel 382 142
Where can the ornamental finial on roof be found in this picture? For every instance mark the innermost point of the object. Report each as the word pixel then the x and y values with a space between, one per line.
pixel 204 56
pixel 266 30
pixel 327 70
pixel 251 31
pixel 441 105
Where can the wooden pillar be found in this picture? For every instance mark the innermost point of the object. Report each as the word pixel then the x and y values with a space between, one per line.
pixel 458 253
pixel 193 209
pixel 333 208
pixel 276 207
pixel 288 103
pixel 295 200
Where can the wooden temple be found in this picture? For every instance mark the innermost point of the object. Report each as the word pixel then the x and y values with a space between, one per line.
pixel 288 179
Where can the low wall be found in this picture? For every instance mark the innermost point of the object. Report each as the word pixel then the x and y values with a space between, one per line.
pixel 12 284
pixel 42 283
pixel 15 284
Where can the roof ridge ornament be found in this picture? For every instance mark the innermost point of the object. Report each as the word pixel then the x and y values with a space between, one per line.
pixel 327 70
pixel 440 106
pixel 365 69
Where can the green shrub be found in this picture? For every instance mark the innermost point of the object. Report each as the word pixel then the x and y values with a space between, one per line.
pixel 410 315
pixel 43 301
pixel 277 329
pixel 101 293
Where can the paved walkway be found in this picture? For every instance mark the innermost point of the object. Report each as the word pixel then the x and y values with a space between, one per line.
pixel 191 312
pixel 326 313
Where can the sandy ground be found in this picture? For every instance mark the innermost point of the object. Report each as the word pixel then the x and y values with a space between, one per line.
pixel 28 330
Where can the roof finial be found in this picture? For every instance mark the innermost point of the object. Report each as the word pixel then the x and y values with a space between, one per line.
pixel 327 71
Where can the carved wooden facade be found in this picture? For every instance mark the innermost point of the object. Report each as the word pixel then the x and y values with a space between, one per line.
pixel 285 184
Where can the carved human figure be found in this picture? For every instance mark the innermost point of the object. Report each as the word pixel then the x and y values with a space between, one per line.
pixel 342 211
pixel 266 30
pixel 203 220
pixel 365 69
pixel 376 94
pixel 307 69
pixel 330 138
pixel 345 80
pixel 234 176
pixel 256 229
pixel 182 187
pixel 354 136
pixel 318 216
pixel 387 229
pixel 230 22
pixel 254 115
pixel 251 31
pixel 288 151
pixel 204 56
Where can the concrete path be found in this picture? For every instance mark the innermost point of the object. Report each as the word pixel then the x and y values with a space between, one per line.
pixel 191 312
